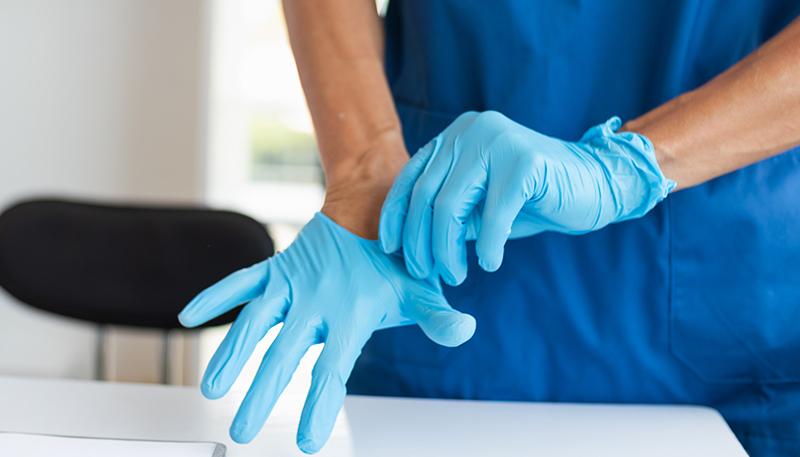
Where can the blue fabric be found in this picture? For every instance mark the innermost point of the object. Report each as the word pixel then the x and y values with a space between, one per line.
pixel 698 302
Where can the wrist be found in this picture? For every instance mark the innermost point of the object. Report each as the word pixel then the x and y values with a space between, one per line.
pixel 356 188
pixel 636 176
pixel 664 157
pixel 663 127
pixel 356 209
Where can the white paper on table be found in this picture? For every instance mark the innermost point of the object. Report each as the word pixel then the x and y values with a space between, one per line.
pixel 39 445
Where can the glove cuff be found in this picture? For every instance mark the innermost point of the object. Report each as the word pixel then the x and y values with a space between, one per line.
pixel 629 161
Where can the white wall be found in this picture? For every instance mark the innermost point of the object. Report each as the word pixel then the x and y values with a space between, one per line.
pixel 101 99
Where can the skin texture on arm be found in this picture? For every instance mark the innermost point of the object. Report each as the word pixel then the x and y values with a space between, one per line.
pixel 338 47
pixel 748 113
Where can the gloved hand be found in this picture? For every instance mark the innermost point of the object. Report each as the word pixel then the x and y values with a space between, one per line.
pixel 329 286
pixel 488 178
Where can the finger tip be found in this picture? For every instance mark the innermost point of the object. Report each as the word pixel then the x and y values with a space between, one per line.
pixel 451 276
pixel 240 434
pixel 210 391
pixel 464 330
pixel 192 315
pixel 454 328
pixel 387 244
pixel 447 277
pixel 489 264
pixel 185 319
pixel 308 445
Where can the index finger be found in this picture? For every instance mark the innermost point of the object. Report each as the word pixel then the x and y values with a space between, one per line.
pixel 395 207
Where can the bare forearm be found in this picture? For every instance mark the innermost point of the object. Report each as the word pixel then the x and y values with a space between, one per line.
pixel 746 114
pixel 338 47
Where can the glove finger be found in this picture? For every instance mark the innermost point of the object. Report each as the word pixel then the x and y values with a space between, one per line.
pixel 460 194
pixel 250 326
pixel 395 207
pixel 328 388
pixel 237 288
pixel 504 200
pixel 418 224
pixel 279 363
pixel 440 322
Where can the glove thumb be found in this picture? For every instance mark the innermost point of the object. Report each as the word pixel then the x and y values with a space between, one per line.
pixel 440 322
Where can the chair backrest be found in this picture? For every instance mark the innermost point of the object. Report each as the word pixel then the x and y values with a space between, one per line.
pixel 122 264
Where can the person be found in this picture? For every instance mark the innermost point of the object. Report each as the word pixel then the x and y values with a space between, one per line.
pixel 646 261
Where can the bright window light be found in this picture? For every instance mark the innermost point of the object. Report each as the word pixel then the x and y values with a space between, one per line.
pixel 262 157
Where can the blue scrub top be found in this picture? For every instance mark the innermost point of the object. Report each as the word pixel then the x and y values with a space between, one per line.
pixel 698 302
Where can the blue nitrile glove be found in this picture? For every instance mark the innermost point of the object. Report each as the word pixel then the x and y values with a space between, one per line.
pixel 331 287
pixel 488 178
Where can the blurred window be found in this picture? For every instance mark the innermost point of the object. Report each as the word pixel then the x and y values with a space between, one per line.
pixel 262 157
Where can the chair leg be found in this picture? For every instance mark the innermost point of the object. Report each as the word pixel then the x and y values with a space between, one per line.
pixel 100 354
pixel 165 358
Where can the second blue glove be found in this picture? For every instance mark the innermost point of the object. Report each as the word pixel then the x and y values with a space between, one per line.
pixel 329 287
pixel 488 178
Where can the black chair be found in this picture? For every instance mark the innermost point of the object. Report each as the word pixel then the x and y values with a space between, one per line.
pixel 122 265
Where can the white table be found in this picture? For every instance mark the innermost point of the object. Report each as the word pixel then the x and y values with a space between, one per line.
pixel 370 426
